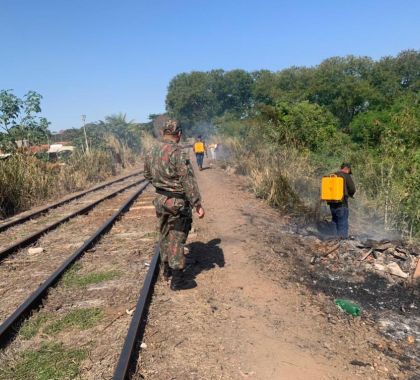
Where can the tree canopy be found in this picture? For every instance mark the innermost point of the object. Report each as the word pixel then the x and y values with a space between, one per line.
pixel 19 120
pixel 345 86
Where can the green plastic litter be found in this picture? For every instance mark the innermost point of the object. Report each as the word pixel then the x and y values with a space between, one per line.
pixel 348 307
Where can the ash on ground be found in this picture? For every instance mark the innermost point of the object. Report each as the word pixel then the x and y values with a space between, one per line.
pixel 378 275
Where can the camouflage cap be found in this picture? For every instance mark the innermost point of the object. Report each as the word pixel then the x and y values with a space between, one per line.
pixel 171 127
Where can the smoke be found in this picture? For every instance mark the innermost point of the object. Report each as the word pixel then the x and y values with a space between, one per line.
pixel 301 174
pixel 208 133
pixel 365 222
pixel 203 129
pixel 368 222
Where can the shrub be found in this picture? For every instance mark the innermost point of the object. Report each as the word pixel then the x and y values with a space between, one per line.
pixel 27 181
pixel 24 181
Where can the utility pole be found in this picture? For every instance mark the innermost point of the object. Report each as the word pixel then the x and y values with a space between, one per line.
pixel 84 131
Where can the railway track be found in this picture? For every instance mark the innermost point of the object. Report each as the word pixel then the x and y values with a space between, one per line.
pixel 135 332
pixel 22 218
pixel 43 225
pixel 50 292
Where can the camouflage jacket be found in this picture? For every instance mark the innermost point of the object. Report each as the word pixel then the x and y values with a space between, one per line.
pixel 168 168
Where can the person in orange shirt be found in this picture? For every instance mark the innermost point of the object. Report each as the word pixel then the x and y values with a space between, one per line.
pixel 199 150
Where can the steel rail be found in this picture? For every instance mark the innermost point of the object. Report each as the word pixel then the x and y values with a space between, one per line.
pixel 136 329
pixel 34 214
pixel 9 327
pixel 36 235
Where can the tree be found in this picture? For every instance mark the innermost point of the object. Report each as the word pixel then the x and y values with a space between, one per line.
pixel 400 120
pixel 408 69
pixel 237 97
pixel 198 97
pixel 301 125
pixel 265 89
pixel 18 119
pixel 191 98
pixel 342 85
pixel 346 86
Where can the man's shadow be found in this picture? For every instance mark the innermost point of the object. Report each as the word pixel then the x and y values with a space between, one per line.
pixel 204 257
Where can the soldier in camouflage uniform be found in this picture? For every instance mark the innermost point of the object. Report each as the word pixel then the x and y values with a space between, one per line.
pixel 168 168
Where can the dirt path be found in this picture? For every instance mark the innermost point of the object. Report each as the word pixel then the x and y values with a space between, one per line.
pixel 246 319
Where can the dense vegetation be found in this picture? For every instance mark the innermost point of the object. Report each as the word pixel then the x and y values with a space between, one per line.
pixel 115 134
pixel 28 176
pixel 303 121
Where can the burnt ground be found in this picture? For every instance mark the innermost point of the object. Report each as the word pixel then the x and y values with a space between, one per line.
pixel 264 309
pixel 389 308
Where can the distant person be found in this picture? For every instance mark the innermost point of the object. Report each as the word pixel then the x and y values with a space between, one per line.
pixel 213 151
pixel 199 150
pixel 169 170
pixel 340 210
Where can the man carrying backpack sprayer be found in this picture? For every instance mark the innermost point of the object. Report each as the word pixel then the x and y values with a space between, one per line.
pixel 336 189
pixel 199 150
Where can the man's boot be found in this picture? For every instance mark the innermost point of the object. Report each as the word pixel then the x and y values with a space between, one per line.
pixel 179 282
pixel 166 271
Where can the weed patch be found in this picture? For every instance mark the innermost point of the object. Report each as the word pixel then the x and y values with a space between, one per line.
pixel 82 319
pixel 31 327
pixel 72 278
pixel 52 361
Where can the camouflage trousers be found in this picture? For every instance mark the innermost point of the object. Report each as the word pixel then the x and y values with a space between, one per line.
pixel 174 223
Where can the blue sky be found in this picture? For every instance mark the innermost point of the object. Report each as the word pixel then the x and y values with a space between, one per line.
pixel 98 57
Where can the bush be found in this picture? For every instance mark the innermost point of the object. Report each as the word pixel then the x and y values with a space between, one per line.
pixel 83 169
pixel 288 178
pixel 24 181
pixel 27 181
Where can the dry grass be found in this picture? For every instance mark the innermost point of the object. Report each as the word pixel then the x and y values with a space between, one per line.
pixel 127 156
pixel 289 179
pixel 286 178
pixel 26 181
pixel 147 141
pixel 84 169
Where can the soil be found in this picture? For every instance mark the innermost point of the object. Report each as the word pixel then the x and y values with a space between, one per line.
pixel 257 311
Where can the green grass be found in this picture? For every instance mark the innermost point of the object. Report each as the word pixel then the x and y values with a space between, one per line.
pixel 72 278
pixel 82 319
pixel 52 361
pixel 31 326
